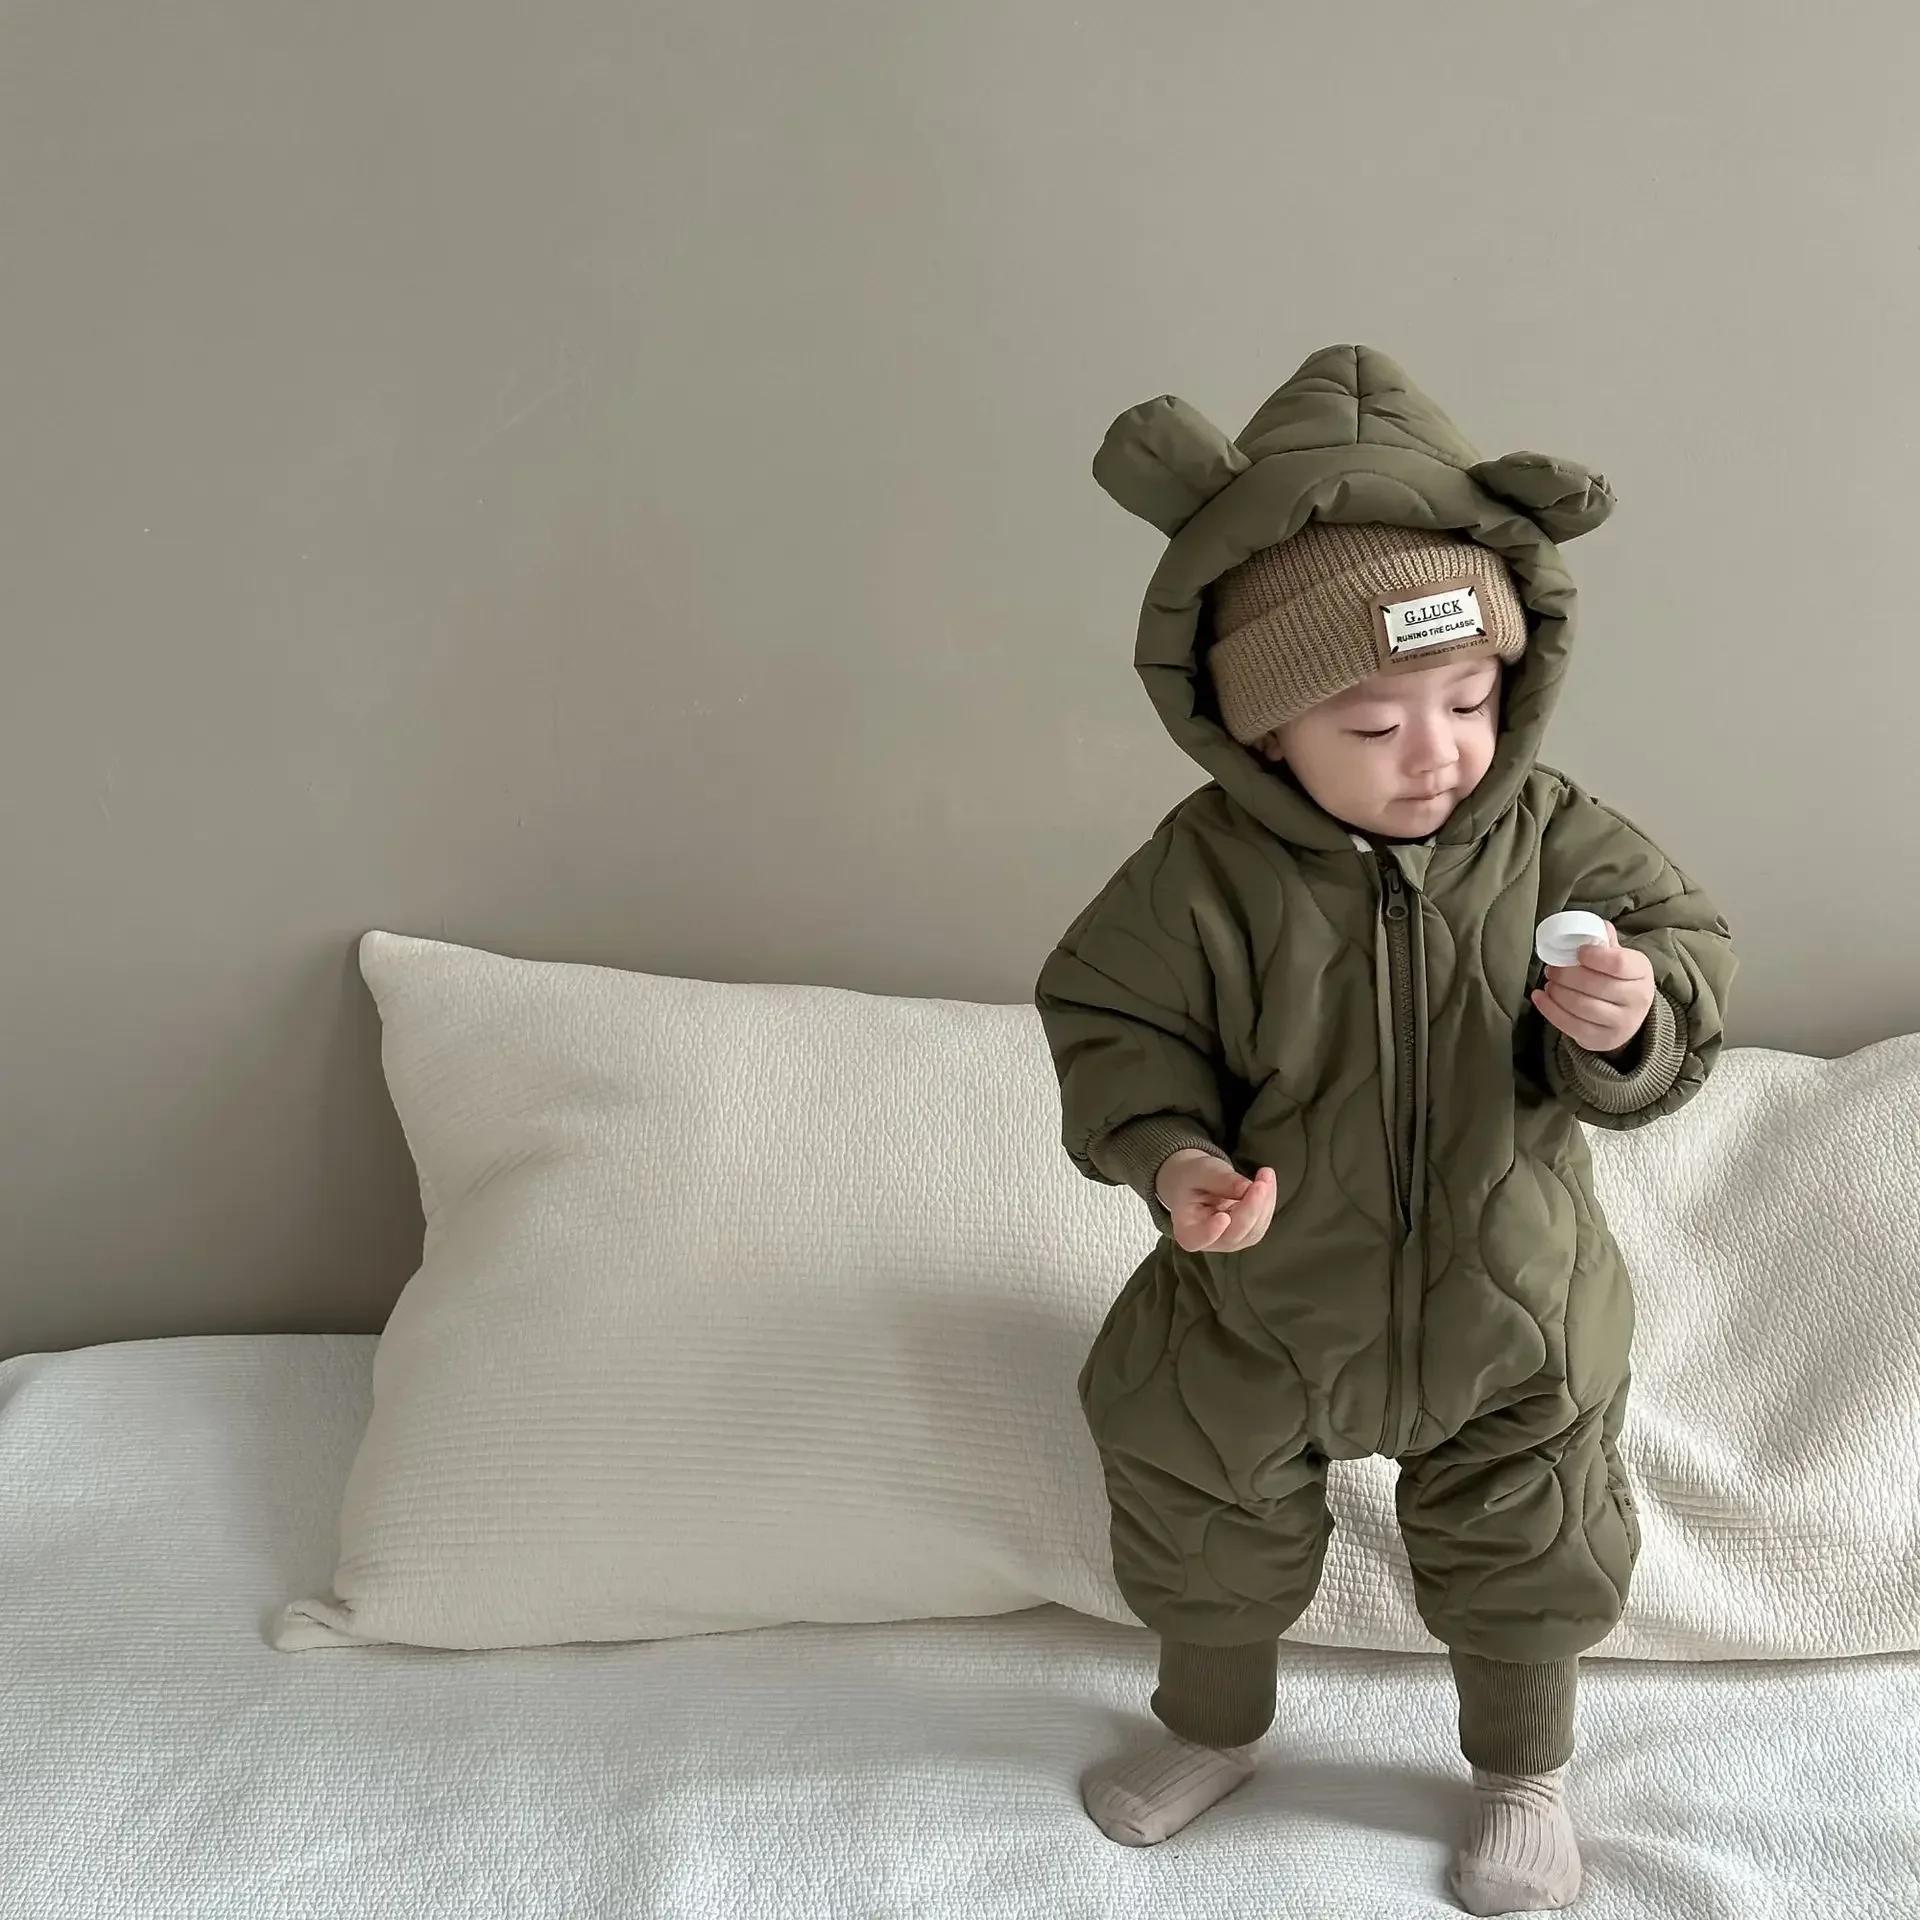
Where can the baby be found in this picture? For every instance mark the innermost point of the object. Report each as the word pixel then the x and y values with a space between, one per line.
pixel 1305 1023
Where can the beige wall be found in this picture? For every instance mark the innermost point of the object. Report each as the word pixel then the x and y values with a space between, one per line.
pixel 610 482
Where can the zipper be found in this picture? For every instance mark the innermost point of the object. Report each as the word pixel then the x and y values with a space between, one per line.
pixel 1405 1285
pixel 1405 1038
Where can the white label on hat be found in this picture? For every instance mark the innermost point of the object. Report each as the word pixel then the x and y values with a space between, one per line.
pixel 1433 620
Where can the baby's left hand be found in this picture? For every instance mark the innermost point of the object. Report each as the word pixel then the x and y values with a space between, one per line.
pixel 1604 1001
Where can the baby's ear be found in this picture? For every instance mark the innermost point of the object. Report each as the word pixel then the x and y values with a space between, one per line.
pixel 1560 497
pixel 1164 460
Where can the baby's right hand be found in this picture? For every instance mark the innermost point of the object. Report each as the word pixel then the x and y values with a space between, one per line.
pixel 1214 1210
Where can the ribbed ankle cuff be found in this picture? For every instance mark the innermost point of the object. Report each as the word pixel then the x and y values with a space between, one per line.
pixel 1514 1717
pixel 1217 1696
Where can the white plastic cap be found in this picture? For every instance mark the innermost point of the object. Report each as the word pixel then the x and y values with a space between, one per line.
pixel 1560 936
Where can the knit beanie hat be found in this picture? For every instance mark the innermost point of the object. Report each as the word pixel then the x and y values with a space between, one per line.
pixel 1307 618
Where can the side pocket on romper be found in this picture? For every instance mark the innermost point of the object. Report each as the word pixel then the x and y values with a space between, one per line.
pixel 1617 1483
pixel 1132 1340
pixel 1109 1327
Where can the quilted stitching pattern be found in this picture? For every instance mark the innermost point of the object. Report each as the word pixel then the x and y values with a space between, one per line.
pixel 1230 977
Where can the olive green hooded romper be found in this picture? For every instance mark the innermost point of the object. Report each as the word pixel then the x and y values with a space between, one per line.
pixel 1438 1284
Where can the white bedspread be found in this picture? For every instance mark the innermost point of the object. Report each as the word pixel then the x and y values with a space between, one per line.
pixel 161 1762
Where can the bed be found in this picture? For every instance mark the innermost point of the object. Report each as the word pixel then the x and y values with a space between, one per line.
pixel 159 1500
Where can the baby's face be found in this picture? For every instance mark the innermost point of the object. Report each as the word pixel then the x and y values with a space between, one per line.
pixel 1396 754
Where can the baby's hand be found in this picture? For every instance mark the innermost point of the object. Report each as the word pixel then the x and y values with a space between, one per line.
pixel 1604 1001
pixel 1214 1210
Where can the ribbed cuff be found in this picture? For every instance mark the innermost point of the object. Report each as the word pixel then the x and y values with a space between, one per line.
pixel 1514 1717
pixel 1134 1152
pixel 1659 1052
pixel 1217 1696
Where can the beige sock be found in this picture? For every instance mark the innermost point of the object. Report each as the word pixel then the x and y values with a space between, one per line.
pixel 1142 1799
pixel 1520 1856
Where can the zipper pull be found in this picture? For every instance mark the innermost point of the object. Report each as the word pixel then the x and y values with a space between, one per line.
pixel 1396 893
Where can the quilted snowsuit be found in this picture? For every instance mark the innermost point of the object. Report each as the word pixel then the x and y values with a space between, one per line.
pixel 1439 1284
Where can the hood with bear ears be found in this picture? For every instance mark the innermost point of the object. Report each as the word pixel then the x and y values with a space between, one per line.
pixel 1348 438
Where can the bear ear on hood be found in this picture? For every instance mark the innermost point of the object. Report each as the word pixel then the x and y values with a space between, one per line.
pixel 1560 497
pixel 1164 460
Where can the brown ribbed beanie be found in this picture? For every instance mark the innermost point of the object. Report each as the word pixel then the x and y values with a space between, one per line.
pixel 1307 618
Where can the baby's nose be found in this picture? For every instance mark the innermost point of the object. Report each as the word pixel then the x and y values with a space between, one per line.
pixel 1431 748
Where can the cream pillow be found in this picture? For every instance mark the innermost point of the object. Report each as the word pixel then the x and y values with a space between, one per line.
pixel 738 1305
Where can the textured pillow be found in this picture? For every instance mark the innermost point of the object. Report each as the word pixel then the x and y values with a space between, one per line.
pixel 748 1304
pixel 738 1305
